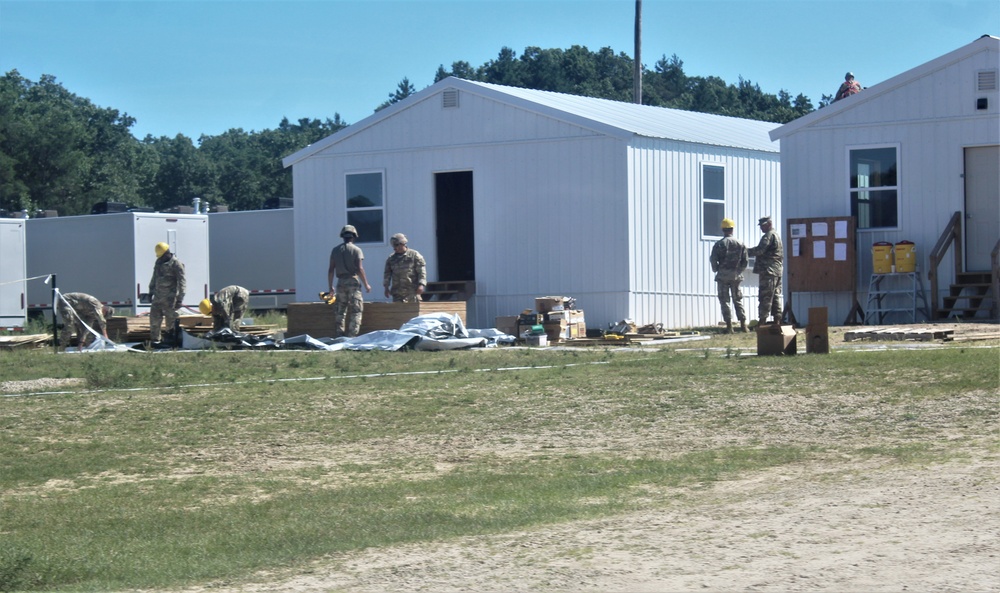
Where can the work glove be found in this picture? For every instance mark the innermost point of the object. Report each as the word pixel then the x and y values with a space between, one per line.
pixel 178 303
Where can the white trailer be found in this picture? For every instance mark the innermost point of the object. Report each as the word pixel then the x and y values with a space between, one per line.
pixel 254 249
pixel 13 271
pixel 111 256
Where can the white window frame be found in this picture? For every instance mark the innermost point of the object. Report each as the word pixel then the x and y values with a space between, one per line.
pixel 706 224
pixel 851 191
pixel 380 208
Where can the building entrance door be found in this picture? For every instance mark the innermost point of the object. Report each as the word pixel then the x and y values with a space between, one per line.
pixel 982 205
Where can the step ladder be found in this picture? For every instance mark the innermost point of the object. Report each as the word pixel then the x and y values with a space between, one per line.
pixel 897 293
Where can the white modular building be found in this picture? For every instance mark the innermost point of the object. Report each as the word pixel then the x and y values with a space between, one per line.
pixel 255 249
pixel 532 193
pixel 111 256
pixel 915 158
pixel 13 273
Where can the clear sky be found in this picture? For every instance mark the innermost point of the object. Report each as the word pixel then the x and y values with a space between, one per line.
pixel 198 67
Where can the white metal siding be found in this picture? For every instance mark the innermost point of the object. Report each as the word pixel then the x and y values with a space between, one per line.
pixel 671 279
pixel 255 250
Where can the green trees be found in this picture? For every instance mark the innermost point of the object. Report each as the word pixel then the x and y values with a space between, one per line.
pixel 61 152
pixel 604 74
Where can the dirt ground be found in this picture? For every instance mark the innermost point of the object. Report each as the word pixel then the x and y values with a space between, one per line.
pixel 852 526
pixel 872 529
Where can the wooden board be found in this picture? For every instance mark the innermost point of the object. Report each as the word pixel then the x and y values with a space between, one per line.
pixel 316 319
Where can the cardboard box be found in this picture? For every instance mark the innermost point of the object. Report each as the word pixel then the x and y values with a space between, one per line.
pixel 774 339
pixel 507 324
pixel 577 330
pixel 549 303
pixel 818 316
pixel 817 339
pixel 557 331
pixel 557 316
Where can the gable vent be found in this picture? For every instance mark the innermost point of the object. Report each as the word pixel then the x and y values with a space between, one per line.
pixel 986 80
pixel 449 98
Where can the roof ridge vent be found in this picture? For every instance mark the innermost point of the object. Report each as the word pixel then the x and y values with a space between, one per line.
pixel 449 98
pixel 986 80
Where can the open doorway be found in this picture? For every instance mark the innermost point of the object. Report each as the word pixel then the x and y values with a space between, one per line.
pixel 455 233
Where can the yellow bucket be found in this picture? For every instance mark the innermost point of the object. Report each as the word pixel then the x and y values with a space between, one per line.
pixel 906 256
pixel 882 258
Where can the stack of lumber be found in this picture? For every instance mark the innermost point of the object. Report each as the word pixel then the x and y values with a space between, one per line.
pixel 22 341
pixel 136 329
pixel 921 334
pixel 316 319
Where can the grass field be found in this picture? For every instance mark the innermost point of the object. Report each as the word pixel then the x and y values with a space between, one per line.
pixel 166 470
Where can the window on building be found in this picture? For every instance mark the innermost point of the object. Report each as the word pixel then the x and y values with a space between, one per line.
pixel 713 199
pixel 366 206
pixel 874 187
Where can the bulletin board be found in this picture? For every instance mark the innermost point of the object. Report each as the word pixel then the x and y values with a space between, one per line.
pixel 820 254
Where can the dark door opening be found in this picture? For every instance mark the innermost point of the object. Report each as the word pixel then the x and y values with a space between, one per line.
pixel 455 233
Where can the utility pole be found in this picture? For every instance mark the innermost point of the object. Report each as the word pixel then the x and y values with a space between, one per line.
pixel 637 67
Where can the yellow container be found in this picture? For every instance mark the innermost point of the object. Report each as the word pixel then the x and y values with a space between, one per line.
pixel 905 253
pixel 882 258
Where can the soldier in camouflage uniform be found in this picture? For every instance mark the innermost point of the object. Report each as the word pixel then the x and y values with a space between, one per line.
pixel 78 311
pixel 405 272
pixel 768 266
pixel 347 266
pixel 729 259
pixel 226 307
pixel 166 290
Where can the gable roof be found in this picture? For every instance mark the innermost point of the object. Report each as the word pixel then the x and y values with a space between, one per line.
pixel 615 118
pixel 986 42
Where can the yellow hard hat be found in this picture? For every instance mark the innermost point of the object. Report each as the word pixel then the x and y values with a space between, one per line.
pixel 205 306
pixel 161 248
pixel 728 223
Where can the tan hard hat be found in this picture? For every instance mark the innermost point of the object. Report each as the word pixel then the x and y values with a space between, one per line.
pixel 349 228
pixel 398 239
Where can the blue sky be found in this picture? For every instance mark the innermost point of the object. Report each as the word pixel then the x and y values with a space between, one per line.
pixel 198 67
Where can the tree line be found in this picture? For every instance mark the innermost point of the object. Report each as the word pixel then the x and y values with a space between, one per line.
pixel 59 151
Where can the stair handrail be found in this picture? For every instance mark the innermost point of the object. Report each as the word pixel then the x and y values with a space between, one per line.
pixel 995 267
pixel 952 236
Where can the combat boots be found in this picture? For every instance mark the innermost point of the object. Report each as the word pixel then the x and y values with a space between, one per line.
pixel 743 326
pixel 729 327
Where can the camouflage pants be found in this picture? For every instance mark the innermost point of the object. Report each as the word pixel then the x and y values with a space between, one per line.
pixel 161 309
pixel 731 289
pixel 770 298
pixel 404 296
pixel 347 309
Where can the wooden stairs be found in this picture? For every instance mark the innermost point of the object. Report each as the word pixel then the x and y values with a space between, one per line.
pixel 971 294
